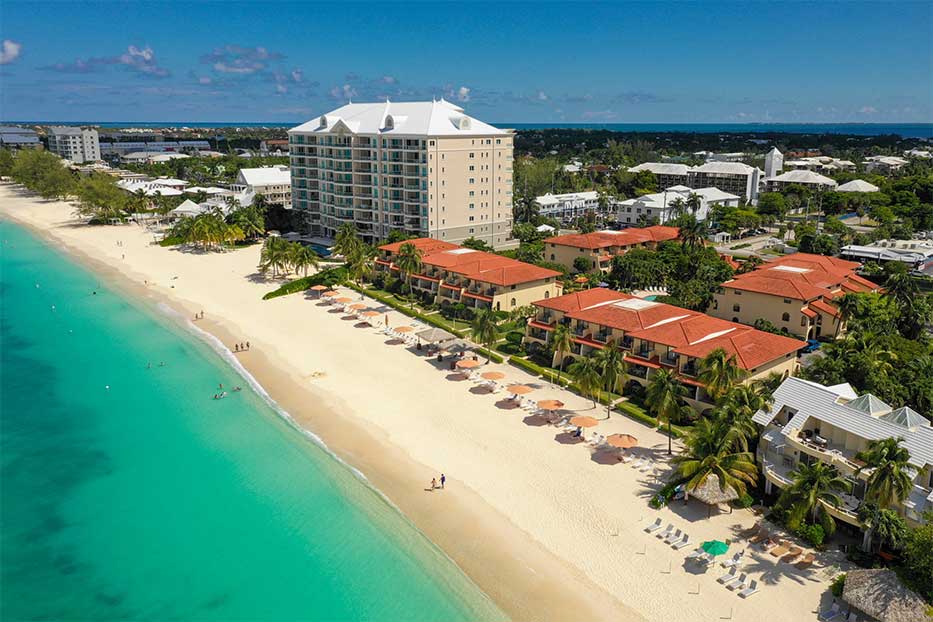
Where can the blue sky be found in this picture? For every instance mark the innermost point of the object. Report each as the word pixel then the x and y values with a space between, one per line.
pixel 551 62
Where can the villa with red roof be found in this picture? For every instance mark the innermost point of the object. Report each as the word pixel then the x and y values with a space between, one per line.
pixel 454 274
pixel 599 247
pixel 797 292
pixel 655 335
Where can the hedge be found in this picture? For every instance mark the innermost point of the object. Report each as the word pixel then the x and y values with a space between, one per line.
pixel 401 307
pixel 491 355
pixel 328 277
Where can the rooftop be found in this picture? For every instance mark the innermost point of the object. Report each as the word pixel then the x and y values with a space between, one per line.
pixel 610 238
pixel 802 276
pixel 661 168
pixel 804 177
pixel 266 176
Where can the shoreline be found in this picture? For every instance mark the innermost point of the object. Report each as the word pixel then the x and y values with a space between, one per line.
pixel 517 574
pixel 543 526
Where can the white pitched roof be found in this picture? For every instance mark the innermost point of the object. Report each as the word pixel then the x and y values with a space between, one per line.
pixel 435 118
pixel 809 399
pixel 187 208
pixel 857 185
pixel 804 177
pixel 266 176
pixel 661 168
pixel 724 168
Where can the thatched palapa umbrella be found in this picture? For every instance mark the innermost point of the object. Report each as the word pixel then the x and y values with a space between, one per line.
pixel 711 493
pixel 879 593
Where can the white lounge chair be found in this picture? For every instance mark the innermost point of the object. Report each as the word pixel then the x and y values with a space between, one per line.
pixel 667 531
pixel 695 554
pixel 645 467
pixel 751 589
pixel 729 576
pixel 674 537
pixel 738 584
pixel 831 614
pixel 653 526
pixel 734 562
pixel 685 541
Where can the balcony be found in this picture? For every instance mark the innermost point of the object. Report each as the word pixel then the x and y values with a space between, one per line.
pixel 841 458
pixel 670 358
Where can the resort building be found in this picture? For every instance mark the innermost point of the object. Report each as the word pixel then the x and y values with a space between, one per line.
pixel 807 178
pixel 857 185
pixel 667 174
pixel 569 206
pixel 77 144
pixel 774 163
pixel 731 177
pixel 808 422
pixel 917 254
pixel 272 182
pixel 657 336
pixel 453 274
pixel 661 207
pixel 795 293
pixel 123 148
pixel 884 164
pixel 425 168
pixel 820 164
pixel 599 247
pixel 13 138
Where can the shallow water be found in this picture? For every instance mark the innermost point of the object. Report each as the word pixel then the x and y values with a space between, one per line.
pixel 149 499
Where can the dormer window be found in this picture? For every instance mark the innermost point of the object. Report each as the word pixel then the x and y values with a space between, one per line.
pixel 464 123
pixel 323 120
pixel 390 123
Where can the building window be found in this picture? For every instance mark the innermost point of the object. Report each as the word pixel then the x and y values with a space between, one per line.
pixel 513 302
pixel 785 317
pixel 736 308
pixel 547 294
pixel 787 301
pixel 472 154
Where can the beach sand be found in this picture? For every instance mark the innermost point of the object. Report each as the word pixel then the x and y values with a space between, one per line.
pixel 547 530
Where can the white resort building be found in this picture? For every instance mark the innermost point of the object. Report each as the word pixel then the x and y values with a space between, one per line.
pixel 272 182
pixel 884 164
pixel 809 422
pixel 425 168
pixel 566 207
pixel 800 177
pixel 666 173
pixel 662 207
pixel 77 144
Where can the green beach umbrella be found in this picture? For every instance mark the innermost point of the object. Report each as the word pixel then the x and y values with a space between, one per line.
pixel 715 547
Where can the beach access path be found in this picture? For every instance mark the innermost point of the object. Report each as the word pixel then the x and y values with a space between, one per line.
pixel 544 527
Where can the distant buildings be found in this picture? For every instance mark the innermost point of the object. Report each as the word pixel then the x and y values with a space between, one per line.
pixel 795 292
pixel 117 148
pixel 732 177
pixel 425 168
pixel 661 207
pixel 272 182
pixel 569 206
pixel 810 179
pixel 774 163
pixel 808 422
pixel 598 248
pixel 12 137
pixel 274 146
pixel 857 185
pixel 656 336
pixel 77 144
pixel 820 164
pixel 454 274
pixel 917 254
pixel 885 164
pixel 667 174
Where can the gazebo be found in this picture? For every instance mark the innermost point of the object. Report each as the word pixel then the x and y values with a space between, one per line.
pixel 879 593
pixel 711 493
pixel 435 335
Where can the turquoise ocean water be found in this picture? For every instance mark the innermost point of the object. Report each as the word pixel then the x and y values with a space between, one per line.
pixel 150 500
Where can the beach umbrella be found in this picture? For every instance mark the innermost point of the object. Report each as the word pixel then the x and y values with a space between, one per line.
pixel 581 279
pixel 715 547
pixel 319 288
pixel 343 300
pixel 331 294
pixel 493 375
pixel 582 421
pixel 519 389
pixel 468 364
pixel 358 306
pixel 436 335
pixel 550 404
pixel 404 329
pixel 622 441
pixel 370 314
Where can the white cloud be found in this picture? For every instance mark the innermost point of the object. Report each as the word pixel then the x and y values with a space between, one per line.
pixel 297 75
pixel 542 96
pixel 10 51
pixel 343 92
pixel 868 110
pixel 463 94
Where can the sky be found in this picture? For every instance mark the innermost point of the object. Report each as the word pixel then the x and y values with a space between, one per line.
pixel 624 62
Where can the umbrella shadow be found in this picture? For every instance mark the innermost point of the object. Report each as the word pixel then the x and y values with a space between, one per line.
pixel 395 341
pixel 349 318
pixel 335 311
pixel 607 457
pixel 506 404
pixel 323 303
pixel 456 377
pixel 362 325
pixel 566 438
pixel 480 390
pixel 535 421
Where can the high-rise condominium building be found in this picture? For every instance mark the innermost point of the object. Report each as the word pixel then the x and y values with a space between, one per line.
pixel 425 168
pixel 78 144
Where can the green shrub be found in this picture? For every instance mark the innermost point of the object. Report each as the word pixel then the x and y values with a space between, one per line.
pixel 403 307
pixel 745 500
pixel 329 277
pixel 664 496
pixel 838 585
pixel 171 240
pixel 490 355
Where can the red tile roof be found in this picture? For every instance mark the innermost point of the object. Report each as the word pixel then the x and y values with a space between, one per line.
pixel 427 245
pixel 824 307
pixel 775 286
pixel 687 332
pixel 802 276
pixel 608 239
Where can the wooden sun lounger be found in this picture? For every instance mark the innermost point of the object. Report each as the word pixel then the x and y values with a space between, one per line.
pixel 792 554
pixel 779 550
pixel 807 561
pixel 760 536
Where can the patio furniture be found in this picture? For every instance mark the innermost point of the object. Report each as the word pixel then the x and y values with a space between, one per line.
pixel 737 583
pixel 685 541
pixel 751 589
pixel 734 562
pixel 806 562
pixel 729 576
pixel 667 531
pixel 653 526
pixel 671 538
pixel 830 614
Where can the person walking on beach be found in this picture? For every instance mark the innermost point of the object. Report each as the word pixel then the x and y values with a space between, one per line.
pixel 443 480
pixel 433 483
pixel 247 345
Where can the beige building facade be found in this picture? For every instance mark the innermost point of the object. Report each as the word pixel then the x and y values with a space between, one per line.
pixel 424 168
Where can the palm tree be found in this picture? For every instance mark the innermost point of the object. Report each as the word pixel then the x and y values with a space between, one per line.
pixel 274 255
pixel 740 405
pixel 677 208
pixel 850 305
pixel 694 203
pixel 250 220
pixel 882 522
pixel 710 450
pixel 346 241
pixel 361 262
pixel 888 482
pixel 485 330
pixel 692 232
pixel 663 397
pixel 813 486
pixel 562 340
pixel 719 373
pixel 751 263
pixel 409 261
pixel 901 286
pixel 585 372
pixel 612 367
pixel 302 257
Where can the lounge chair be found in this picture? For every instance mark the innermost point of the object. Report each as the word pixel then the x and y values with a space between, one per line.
pixel 751 589
pixel 732 563
pixel 806 562
pixel 645 467
pixel 779 550
pixel 673 537
pixel 653 526
pixel 667 531
pixel 685 541
pixel 737 583
pixel 792 554
pixel 760 536
pixel 729 576
pixel 752 531
pixel 769 544
pixel 695 554
pixel 831 614
pixel 704 559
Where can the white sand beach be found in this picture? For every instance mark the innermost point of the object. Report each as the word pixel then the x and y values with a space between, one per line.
pixel 548 530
